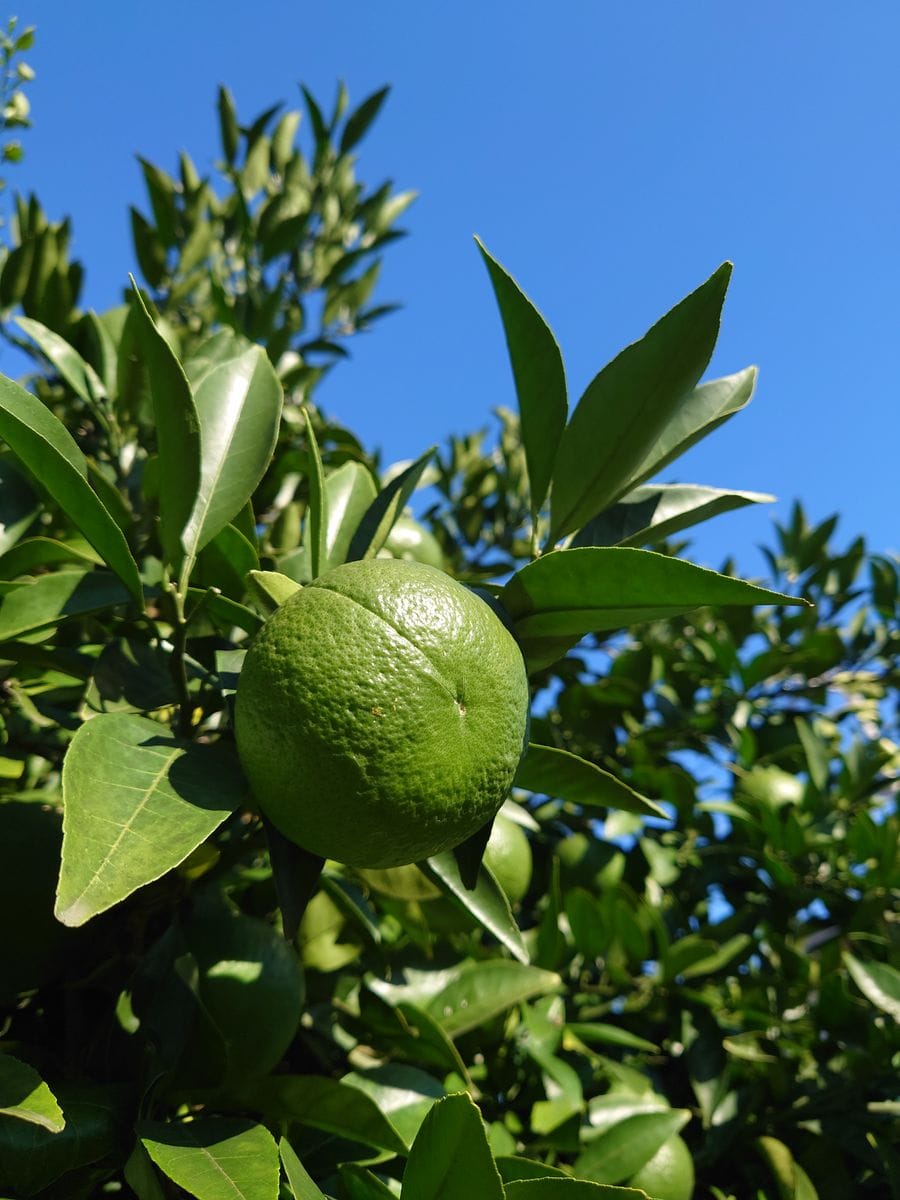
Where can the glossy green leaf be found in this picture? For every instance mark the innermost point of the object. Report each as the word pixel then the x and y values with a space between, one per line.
pixel 271 589
pixel 564 776
pixel 613 1107
pixel 384 510
pixel 450 1158
pixel 327 1104
pixel 570 1189
pixel 349 491
pixel 177 435
pixel 878 982
pixel 137 802
pixel 473 992
pixel 46 600
pixel 539 374
pixel 403 1093
pixel 51 455
pixel 626 408
pixel 298 1177
pixel 568 593
pixel 361 118
pixel 225 563
pixel 215 1158
pixel 78 374
pixel 45 552
pixel 19 505
pixel 652 512
pixel 486 902
pixel 317 515
pixel 624 1148
pixel 703 410
pixel 24 1095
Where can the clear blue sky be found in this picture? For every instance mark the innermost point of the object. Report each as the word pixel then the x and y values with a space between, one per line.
pixel 611 155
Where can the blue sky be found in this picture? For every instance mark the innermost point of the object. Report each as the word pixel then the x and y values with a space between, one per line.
pixel 611 155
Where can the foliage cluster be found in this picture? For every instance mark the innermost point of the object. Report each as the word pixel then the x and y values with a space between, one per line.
pixel 687 929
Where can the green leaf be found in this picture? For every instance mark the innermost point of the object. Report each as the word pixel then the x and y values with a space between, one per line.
pixel 271 589
pixel 44 601
pixel 215 1158
pixel 49 452
pixel 570 1189
pixel 78 374
pixel 228 124
pixel 735 947
pixel 349 492
pixel 450 1158
pixel 703 410
pixel 140 1175
pixel 624 1148
pixel 23 1094
pixel 474 992
pixel 360 1184
pixel 44 552
pixel 486 902
pixel 318 503
pixel 539 374
pixel 238 404
pixel 791 1180
pixel 627 407
pixel 878 982
pixel 361 118
pixel 297 1176
pixel 31 1157
pixel 137 802
pixel 816 752
pixel 404 1094
pixel 560 597
pixel 18 506
pixel 513 1167
pixel 564 776
pixel 653 512
pixel 384 510
pixel 328 1104
pixel 610 1035
pixel 177 434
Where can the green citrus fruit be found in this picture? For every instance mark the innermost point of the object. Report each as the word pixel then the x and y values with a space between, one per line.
pixel 669 1174
pixel 508 854
pixel 381 713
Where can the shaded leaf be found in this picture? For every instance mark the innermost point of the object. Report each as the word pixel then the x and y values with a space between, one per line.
pixel 297 1176
pixel 564 776
pixel 23 1094
pixel 539 374
pixel 570 1189
pixel 626 408
pixel 387 506
pixel 137 802
pixel 42 602
pixel 360 1184
pixel 623 1149
pixel 18 507
pixel 317 515
pixel 361 118
pixel 49 452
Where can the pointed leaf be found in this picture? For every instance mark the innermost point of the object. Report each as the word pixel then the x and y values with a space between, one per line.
pixel 23 1094
pixel 137 802
pixel 360 1184
pixel 623 1149
pixel 215 1158
pixel 46 600
pixel 539 374
pixel 568 593
pixel 271 588
pixel 486 902
pixel 19 505
pixel 295 872
pixel 49 452
pixel 476 991
pixel 384 510
pixel 297 1176
pixel 705 409
pixel 349 491
pixel 878 982
pixel 238 404
pixel 653 512
pixel 324 1103
pixel 228 124
pixel 626 408
pixel 177 433
pixel 564 776
pixel 78 374
pixel 318 503
pixel 450 1158
pixel 361 118
pixel 140 1175
pixel 570 1189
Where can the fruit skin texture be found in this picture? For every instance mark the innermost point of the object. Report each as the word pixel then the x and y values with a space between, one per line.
pixel 381 714
pixel 669 1174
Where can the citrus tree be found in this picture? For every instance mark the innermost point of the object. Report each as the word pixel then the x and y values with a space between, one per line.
pixel 662 969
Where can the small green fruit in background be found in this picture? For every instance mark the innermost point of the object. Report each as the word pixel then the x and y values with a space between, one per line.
pixel 669 1174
